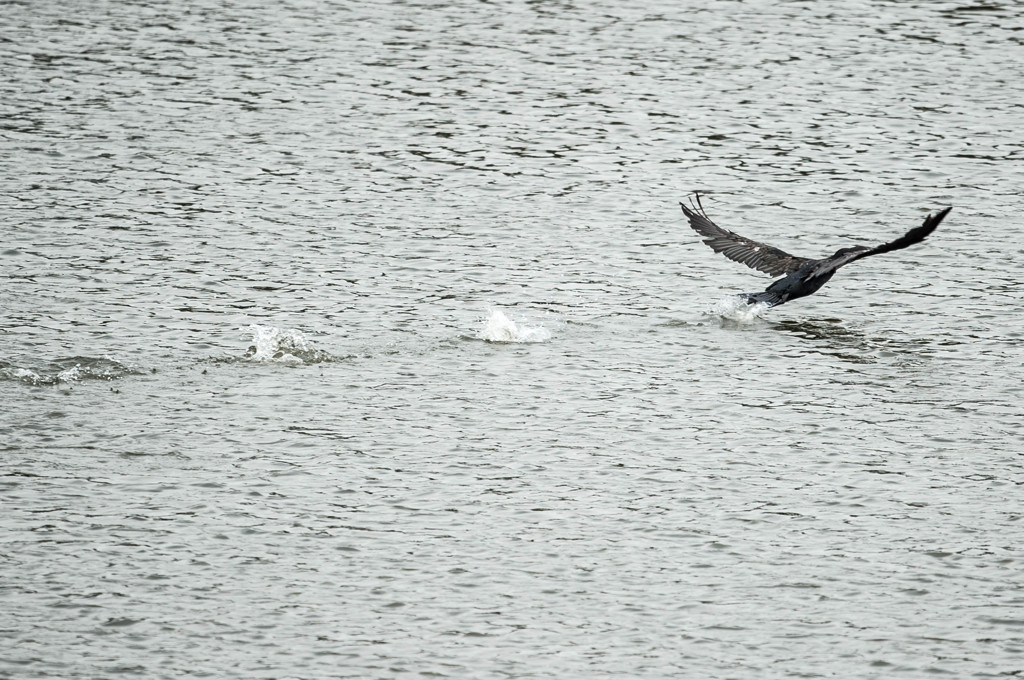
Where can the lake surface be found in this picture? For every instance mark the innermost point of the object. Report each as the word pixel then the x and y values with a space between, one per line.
pixel 367 340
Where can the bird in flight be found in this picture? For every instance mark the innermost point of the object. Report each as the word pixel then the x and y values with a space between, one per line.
pixel 801 275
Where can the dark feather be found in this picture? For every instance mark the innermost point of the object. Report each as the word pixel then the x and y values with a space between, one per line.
pixel 915 235
pixel 763 258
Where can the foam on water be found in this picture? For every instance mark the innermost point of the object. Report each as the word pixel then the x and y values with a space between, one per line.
pixel 736 308
pixel 499 328
pixel 67 370
pixel 282 345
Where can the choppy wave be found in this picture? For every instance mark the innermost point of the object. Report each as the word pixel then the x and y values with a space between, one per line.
pixel 735 308
pixel 499 328
pixel 67 370
pixel 283 345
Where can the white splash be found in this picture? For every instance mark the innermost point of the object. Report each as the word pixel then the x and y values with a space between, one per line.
pixel 278 345
pixel 500 328
pixel 67 370
pixel 736 308
pixel 25 375
pixel 70 374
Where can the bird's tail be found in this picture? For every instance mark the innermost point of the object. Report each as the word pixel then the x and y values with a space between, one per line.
pixel 767 297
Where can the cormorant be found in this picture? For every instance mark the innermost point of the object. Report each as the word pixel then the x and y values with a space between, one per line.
pixel 803 275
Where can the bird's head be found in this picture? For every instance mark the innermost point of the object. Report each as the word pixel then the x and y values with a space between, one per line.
pixel 851 249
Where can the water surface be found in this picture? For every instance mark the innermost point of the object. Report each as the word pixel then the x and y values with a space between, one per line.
pixel 367 340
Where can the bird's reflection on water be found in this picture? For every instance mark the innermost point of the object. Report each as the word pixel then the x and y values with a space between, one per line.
pixel 831 336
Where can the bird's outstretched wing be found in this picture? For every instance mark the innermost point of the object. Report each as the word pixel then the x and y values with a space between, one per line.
pixel 915 235
pixel 756 255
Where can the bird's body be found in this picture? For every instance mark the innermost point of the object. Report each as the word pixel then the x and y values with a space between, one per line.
pixel 796 284
pixel 801 276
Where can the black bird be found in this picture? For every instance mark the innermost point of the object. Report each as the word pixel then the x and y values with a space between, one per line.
pixel 803 275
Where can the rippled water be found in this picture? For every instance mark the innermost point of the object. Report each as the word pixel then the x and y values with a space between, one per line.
pixel 366 340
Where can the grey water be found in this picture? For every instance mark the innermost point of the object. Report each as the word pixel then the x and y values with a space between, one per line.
pixel 366 339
